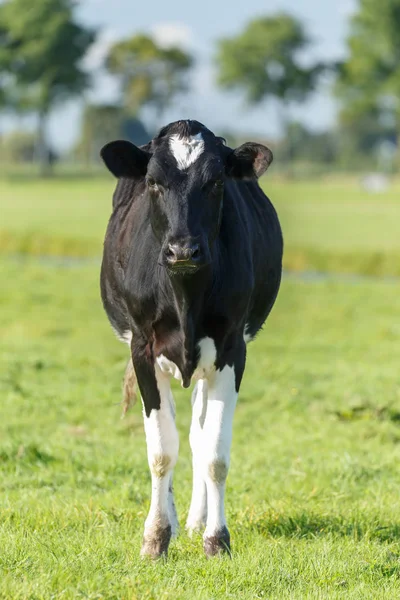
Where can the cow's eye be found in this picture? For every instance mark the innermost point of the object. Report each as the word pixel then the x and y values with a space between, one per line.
pixel 215 185
pixel 151 182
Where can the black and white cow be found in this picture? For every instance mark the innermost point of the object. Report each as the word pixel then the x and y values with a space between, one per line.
pixel 191 269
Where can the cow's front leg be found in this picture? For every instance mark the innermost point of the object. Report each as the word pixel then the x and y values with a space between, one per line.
pixel 198 507
pixel 222 395
pixel 162 452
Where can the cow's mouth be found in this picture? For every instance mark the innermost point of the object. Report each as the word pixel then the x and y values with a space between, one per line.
pixel 183 267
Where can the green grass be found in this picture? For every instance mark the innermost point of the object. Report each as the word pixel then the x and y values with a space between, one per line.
pixel 313 496
pixel 328 225
pixel 313 493
pixel 336 226
pixel 54 217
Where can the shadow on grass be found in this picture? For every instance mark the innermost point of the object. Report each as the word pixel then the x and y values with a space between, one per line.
pixel 306 525
pixel 368 412
pixel 27 455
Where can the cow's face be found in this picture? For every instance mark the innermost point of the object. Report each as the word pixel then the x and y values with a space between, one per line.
pixel 185 169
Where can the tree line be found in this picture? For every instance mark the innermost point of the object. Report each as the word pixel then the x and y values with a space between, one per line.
pixel 42 47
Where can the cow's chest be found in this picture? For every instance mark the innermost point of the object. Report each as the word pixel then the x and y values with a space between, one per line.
pixel 207 354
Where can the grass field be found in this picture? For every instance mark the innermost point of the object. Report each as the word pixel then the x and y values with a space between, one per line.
pixel 313 496
pixel 328 225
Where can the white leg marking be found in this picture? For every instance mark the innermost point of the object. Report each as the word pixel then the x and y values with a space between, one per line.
pixel 217 432
pixel 186 150
pixel 207 358
pixel 162 452
pixel 168 367
pixel 198 507
pixel 172 509
pixel 208 354
pixel 205 368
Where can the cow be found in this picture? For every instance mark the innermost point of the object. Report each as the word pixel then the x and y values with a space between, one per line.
pixel 191 268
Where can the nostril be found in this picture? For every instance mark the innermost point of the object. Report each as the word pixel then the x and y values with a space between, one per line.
pixel 196 251
pixel 176 253
pixel 170 252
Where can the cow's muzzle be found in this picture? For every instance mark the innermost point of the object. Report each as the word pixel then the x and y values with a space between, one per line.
pixel 184 258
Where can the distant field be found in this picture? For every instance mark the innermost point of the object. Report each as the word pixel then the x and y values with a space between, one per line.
pixel 55 217
pixel 314 489
pixel 329 225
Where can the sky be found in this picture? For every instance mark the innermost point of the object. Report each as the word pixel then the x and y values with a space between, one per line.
pixel 196 26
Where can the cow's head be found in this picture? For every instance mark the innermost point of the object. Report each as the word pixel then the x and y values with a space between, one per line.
pixel 184 170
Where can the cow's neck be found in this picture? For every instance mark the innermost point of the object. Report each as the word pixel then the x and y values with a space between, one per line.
pixel 189 302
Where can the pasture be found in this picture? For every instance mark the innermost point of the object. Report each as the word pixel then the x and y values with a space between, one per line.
pixel 329 225
pixel 313 498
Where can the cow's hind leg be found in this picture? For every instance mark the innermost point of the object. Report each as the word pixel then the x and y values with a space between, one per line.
pixel 198 507
pixel 162 452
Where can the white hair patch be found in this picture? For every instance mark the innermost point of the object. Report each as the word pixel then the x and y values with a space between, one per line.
pixel 125 336
pixel 186 150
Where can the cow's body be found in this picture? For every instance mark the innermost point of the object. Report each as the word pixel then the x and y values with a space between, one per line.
pixel 189 326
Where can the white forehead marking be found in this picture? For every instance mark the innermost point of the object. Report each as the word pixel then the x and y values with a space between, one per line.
pixel 186 150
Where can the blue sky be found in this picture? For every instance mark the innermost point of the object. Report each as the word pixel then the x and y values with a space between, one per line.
pixel 196 25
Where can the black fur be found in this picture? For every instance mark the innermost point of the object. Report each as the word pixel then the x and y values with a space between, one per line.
pixel 216 202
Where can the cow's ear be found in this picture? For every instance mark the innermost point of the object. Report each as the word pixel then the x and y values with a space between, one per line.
pixel 124 159
pixel 248 161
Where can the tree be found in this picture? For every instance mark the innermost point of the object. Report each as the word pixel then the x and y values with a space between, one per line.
pixel 305 145
pixel 150 74
pixel 99 125
pixel 369 80
pixel 263 61
pixel 41 47
pixel 102 123
pixel 17 147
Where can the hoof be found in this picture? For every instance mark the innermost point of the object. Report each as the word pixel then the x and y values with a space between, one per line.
pixel 220 543
pixel 155 545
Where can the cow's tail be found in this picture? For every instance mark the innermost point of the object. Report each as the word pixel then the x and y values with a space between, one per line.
pixel 129 388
